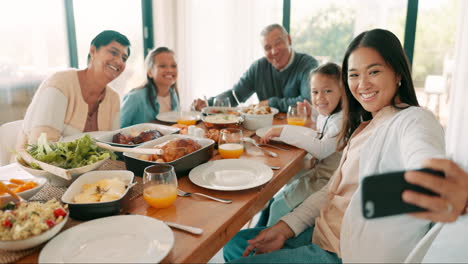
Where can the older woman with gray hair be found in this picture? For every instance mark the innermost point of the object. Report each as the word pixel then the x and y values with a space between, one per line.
pixel 159 92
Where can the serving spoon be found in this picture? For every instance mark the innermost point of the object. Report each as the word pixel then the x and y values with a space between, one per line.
pixel 149 151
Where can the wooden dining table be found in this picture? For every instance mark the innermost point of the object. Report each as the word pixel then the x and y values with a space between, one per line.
pixel 219 221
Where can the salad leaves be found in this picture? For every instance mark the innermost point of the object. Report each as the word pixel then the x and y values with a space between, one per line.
pixel 68 155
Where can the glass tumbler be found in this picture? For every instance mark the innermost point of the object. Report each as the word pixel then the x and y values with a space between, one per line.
pixel 160 185
pixel 230 144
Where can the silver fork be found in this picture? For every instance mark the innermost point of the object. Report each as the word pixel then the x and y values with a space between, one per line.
pixel 182 193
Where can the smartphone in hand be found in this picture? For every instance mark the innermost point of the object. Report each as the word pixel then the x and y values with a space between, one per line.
pixel 381 194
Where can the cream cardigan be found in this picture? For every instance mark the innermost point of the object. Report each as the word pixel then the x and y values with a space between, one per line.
pixel 403 142
pixel 59 109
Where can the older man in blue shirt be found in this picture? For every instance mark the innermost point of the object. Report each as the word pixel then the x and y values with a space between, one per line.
pixel 279 79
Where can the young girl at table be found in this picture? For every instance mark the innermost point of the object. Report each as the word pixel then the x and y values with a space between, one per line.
pixel 326 92
pixel 158 94
pixel 383 130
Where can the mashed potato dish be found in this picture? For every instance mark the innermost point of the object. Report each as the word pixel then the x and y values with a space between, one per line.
pixel 257 110
pixel 26 219
pixel 101 191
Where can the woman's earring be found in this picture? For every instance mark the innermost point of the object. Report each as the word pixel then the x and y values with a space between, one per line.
pixel 399 83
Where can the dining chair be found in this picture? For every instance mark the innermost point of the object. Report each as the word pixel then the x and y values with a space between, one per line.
pixel 451 244
pixel 8 136
pixel 420 250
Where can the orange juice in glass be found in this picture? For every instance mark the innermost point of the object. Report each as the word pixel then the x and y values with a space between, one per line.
pixel 230 143
pixel 296 121
pixel 187 118
pixel 297 116
pixel 160 185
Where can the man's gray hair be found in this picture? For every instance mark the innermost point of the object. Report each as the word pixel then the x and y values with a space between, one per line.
pixel 272 27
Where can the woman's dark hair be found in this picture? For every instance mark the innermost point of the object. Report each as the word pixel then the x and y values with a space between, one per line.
pixel 333 71
pixel 389 47
pixel 106 37
pixel 149 83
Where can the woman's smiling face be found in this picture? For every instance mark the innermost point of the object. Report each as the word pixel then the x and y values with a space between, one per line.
pixel 110 60
pixel 371 80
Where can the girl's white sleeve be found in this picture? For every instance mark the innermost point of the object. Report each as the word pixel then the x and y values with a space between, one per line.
pixel 307 139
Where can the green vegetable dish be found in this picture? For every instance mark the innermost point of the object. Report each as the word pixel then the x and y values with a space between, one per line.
pixel 68 155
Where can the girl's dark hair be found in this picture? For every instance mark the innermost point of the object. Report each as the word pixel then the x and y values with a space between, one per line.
pixel 332 70
pixel 106 37
pixel 389 47
pixel 149 83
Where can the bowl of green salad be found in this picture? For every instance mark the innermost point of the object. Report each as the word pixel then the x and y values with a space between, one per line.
pixel 77 157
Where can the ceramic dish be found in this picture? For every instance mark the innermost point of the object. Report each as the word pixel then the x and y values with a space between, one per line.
pixel 213 110
pixel 182 165
pixel 15 245
pixel 87 211
pixel 115 239
pixel 14 171
pixel 231 174
pixel 59 181
pixel 254 122
pixel 135 129
pixel 262 131
pixel 171 117
pixel 220 121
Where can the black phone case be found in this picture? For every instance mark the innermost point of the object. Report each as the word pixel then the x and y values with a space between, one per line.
pixel 381 194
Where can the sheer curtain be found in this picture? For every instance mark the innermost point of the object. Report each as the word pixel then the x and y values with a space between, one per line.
pixel 214 41
pixel 457 131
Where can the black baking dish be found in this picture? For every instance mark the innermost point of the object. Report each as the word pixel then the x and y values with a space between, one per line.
pixel 88 211
pixel 182 165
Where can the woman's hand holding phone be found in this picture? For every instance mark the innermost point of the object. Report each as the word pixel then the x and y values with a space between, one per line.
pixel 452 190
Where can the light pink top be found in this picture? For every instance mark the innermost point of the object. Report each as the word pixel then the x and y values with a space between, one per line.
pixel 343 185
pixel 164 103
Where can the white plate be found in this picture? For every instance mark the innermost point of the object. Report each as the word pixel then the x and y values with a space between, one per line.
pixel 231 174
pixel 114 239
pixel 262 131
pixel 14 170
pixel 136 129
pixel 171 117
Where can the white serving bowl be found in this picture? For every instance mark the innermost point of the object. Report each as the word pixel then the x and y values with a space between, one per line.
pixel 254 122
pixel 14 171
pixel 213 110
pixel 25 194
pixel 15 245
pixel 59 181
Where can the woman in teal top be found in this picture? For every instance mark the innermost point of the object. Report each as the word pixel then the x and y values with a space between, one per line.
pixel 158 94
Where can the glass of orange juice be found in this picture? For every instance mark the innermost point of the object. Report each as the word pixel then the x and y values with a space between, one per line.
pixel 230 144
pixel 297 116
pixel 160 185
pixel 187 118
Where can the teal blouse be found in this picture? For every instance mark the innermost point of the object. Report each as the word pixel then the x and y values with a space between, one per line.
pixel 136 107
